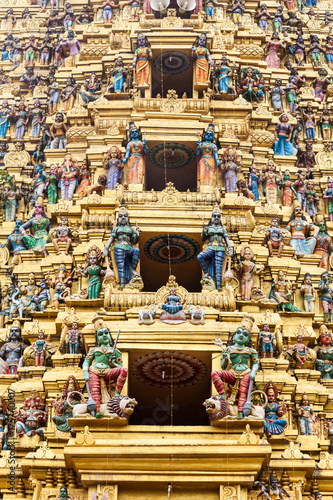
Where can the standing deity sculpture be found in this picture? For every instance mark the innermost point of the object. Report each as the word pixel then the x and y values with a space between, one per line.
pixel 300 229
pixel 326 296
pixel 41 226
pixel 247 269
pixel 324 244
pixel 134 157
pixel 68 172
pixel 126 255
pixel 270 181
pixel 306 416
pixel 12 351
pixel 208 158
pixel 324 352
pixel 141 61
pixel 202 58
pixel 231 166
pixel 94 271
pixel 113 164
pixel 308 292
pixel 212 259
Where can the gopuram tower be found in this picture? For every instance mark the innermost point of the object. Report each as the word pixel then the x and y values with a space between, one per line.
pixel 166 223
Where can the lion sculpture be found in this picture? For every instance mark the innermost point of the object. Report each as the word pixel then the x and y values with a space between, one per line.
pixel 217 408
pixel 116 408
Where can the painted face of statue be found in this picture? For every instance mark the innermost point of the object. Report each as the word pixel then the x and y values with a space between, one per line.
pixel 93 260
pixel 330 183
pixel 18 224
pixel 202 41
pixel 114 153
pixel 63 493
pixel 103 336
pixel 209 136
pixel 216 219
pixel 141 41
pixel 38 209
pixel 326 339
pixel 271 396
pixel 14 334
pixel 134 133
pixel 322 227
pixel 247 254
pixel 31 280
pixel 123 218
pixel 242 336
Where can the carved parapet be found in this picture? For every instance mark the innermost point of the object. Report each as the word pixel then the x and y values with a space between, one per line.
pixel 9 90
pixel 120 40
pixel 250 51
pixel 234 128
pixel 172 104
pixel 96 221
pixel 94 50
pixel 169 196
pixel 262 138
pixel 79 134
pixel 115 300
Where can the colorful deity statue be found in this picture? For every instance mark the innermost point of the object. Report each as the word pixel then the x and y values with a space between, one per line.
pixel 311 198
pixel 326 296
pixel 74 337
pixel 14 242
pixel 224 74
pixel 274 235
pixel 310 122
pixel 31 48
pixel 63 233
pixel 21 119
pixel 308 292
pixel 10 197
pixel 321 82
pixel 202 58
pixel 212 259
pixel 103 363
pixel 43 297
pixel 270 181
pixel 58 131
pixel 231 166
pixel 251 85
pixel 324 352
pixel 51 186
pixel 253 182
pixel 273 423
pixel 12 351
pixel 300 228
pixel 126 255
pixel 325 123
pixel 117 76
pixel 282 145
pixel 84 180
pixel 141 61
pixel 63 405
pixel 61 282
pixel 68 94
pixel 282 293
pixel 247 268
pixel 324 244
pixel 68 172
pixel 266 340
pixel 94 271
pixel 41 226
pixel 263 17
pixel 91 88
pixel 4 119
pixel 276 95
pixel 32 417
pixel 238 9
pixel 306 416
pixel 208 158
pixel 173 308
pixel 300 352
pixel 134 156
pixel 239 365
pixel 272 48
pixel 288 189
pixel 39 349
pixel 272 491
pixel 113 164
pixel 328 195
pixel 37 119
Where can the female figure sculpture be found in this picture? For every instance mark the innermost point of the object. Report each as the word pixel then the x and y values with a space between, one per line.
pixel 273 423
pixel 69 172
pixel 272 48
pixel 134 156
pixel 308 292
pixel 4 119
pixel 289 192
pixel 230 168
pixel 94 271
pixel 208 158
pixel 202 57
pixel 254 181
pixel 141 61
pixel 324 351
pixel 21 119
pixel 41 226
pixel 282 145
pixel 247 269
pixel 324 244
pixel 114 166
